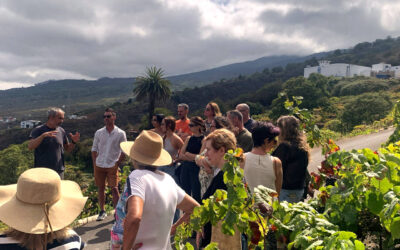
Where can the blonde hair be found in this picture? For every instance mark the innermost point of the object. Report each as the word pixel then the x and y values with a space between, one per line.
pixel 291 132
pixel 38 241
pixel 222 138
pixel 215 109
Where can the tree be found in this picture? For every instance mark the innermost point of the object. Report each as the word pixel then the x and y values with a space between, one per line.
pixel 153 87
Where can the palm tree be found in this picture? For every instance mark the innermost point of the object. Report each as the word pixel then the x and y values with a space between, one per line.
pixel 153 86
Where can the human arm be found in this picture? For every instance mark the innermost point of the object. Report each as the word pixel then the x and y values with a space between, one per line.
pixel 182 155
pixel 187 205
pixel 278 175
pixel 94 157
pixel 134 208
pixel 35 142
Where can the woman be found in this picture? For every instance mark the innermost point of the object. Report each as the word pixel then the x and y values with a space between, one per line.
pixel 206 172
pixel 172 142
pixel 260 167
pixel 217 144
pixel 211 111
pixel 156 122
pixel 293 151
pixel 189 178
pixel 146 209
pixel 38 210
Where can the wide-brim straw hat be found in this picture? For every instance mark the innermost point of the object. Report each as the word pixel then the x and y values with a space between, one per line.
pixel 40 202
pixel 147 149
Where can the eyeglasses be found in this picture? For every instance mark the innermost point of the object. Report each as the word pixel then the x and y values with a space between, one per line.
pixel 106 116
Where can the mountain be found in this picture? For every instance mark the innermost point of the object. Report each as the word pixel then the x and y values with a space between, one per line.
pixel 76 95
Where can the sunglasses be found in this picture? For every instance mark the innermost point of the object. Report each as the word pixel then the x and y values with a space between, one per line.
pixel 106 116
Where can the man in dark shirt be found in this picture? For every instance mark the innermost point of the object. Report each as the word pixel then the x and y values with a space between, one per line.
pixel 243 136
pixel 49 141
pixel 244 109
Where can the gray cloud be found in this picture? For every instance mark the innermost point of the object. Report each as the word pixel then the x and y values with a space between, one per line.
pixel 47 39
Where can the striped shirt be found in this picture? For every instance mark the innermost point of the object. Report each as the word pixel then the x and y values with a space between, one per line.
pixel 73 242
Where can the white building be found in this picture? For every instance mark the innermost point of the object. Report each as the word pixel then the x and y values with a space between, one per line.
pixel 381 67
pixel 396 70
pixel 29 123
pixel 337 69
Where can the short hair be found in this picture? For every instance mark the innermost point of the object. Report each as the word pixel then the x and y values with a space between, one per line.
pixel 52 112
pixel 262 131
pixel 159 117
pixel 235 113
pixel 244 105
pixel 111 111
pixel 222 138
pixel 215 109
pixel 170 122
pixel 198 121
pixel 184 105
pixel 222 122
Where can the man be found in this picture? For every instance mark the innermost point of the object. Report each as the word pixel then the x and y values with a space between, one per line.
pixel 106 157
pixel 243 136
pixel 247 121
pixel 182 124
pixel 49 142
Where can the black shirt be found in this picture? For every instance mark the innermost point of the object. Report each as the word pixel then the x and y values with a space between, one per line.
pixel 50 152
pixel 294 165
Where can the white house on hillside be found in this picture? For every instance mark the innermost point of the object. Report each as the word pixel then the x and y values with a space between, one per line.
pixel 29 123
pixel 337 69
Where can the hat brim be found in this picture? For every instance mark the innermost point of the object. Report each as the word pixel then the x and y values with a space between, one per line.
pixel 30 218
pixel 163 160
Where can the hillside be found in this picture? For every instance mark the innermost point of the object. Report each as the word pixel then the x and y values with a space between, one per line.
pixel 78 95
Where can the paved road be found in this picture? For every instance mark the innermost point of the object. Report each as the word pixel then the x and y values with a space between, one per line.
pixel 97 234
pixel 372 141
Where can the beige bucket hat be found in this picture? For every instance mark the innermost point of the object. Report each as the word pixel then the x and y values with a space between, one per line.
pixel 40 202
pixel 147 149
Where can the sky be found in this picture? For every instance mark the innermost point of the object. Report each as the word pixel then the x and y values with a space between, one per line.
pixel 48 40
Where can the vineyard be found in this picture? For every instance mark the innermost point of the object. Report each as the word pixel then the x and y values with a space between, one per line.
pixel 356 203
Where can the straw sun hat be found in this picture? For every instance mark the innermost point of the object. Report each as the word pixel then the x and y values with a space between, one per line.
pixel 40 202
pixel 147 149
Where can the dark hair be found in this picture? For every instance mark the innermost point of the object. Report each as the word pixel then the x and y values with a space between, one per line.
pixel 111 111
pixel 262 131
pixel 159 117
pixel 170 123
pixel 198 121
pixel 222 122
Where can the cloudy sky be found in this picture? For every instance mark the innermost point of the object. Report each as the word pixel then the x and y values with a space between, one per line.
pixel 47 39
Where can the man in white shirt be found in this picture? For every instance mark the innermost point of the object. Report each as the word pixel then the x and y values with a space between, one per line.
pixel 106 158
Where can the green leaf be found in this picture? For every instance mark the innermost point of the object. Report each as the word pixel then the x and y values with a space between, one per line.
pixel 212 246
pixel 189 246
pixel 359 245
pixel 395 228
pixel 375 202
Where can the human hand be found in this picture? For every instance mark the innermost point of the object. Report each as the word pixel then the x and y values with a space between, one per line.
pixel 75 137
pixel 52 133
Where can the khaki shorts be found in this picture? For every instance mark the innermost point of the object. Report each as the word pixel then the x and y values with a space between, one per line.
pixel 101 174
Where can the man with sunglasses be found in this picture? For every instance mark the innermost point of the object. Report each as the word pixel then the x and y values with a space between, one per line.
pixel 106 158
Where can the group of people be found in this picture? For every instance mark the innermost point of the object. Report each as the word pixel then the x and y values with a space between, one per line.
pixel 177 164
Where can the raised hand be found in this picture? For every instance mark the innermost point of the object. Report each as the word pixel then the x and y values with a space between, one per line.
pixel 75 137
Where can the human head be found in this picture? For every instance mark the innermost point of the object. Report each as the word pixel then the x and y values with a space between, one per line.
pixel 217 144
pixel 109 117
pixel 290 128
pixel 157 119
pixel 55 117
pixel 221 122
pixel 168 124
pixel 40 202
pixel 236 118
pixel 244 109
pixel 147 150
pixel 264 133
pixel 212 110
pixel 183 110
pixel 197 123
